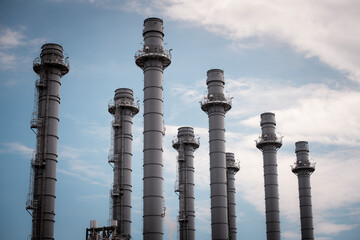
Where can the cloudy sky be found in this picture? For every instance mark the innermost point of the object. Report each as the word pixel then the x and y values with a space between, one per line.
pixel 298 59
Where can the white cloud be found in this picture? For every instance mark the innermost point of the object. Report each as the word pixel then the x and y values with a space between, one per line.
pixel 332 228
pixel 86 170
pixel 10 38
pixel 291 235
pixel 325 29
pixel 170 224
pixel 16 147
pixel 10 41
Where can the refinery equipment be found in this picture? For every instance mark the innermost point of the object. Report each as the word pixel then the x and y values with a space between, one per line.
pixel 50 66
pixel 269 143
pixel 153 59
pixel 303 168
pixel 232 168
pixel 186 144
pixel 123 108
pixel 215 104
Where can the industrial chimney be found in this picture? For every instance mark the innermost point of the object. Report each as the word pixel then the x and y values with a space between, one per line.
pixel 153 59
pixel 216 105
pixel 186 144
pixel 123 108
pixel 269 143
pixel 50 67
pixel 232 168
pixel 303 168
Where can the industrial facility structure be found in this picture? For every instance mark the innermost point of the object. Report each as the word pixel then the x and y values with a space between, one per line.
pixel 232 168
pixel 186 143
pixel 303 168
pixel 153 59
pixel 216 105
pixel 269 143
pixel 123 108
pixel 50 66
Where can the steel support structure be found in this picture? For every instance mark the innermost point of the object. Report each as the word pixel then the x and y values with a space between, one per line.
pixel 153 59
pixel 123 108
pixel 215 104
pixel 186 144
pixel 232 168
pixel 50 67
pixel 303 168
pixel 269 144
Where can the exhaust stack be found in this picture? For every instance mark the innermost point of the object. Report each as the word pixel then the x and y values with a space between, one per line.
pixel 216 105
pixel 269 143
pixel 123 108
pixel 153 59
pixel 186 144
pixel 50 67
pixel 232 168
pixel 303 168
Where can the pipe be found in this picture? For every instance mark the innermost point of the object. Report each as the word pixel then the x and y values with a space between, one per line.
pixel 269 143
pixel 232 168
pixel 216 105
pixel 123 108
pixel 303 168
pixel 153 59
pixel 51 66
pixel 186 144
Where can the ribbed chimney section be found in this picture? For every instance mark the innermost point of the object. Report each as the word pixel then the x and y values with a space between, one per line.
pixel 153 59
pixel 186 144
pixel 232 168
pixel 303 168
pixel 50 67
pixel 123 108
pixel 269 143
pixel 216 105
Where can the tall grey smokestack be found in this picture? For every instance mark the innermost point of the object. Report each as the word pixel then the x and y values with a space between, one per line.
pixel 303 168
pixel 50 66
pixel 153 59
pixel 216 105
pixel 186 144
pixel 269 143
pixel 232 168
pixel 123 108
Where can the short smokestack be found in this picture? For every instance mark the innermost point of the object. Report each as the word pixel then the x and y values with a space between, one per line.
pixel 232 168
pixel 269 143
pixel 50 67
pixel 303 168
pixel 186 144
pixel 153 59
pixel 216 105
pixel 123 108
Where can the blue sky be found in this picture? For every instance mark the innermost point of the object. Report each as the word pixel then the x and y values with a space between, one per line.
pixel 299 59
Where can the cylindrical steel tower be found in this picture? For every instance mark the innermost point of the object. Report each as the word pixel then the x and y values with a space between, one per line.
pixel 216 105
pixel 269 143
pixel 186 144
pixel 123 108
pixel 303 168
pixel 232 168
pixel 153 59
pixel 50 66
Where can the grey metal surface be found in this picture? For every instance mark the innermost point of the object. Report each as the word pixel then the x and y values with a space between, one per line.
pixel 269 143
pixel 123 108
pixel 216 105
pixel 186 144
pixel 51 66
pixel 232 168
pixel 153 59
pixel 303 168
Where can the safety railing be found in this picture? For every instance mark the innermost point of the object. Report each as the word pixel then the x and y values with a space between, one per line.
pixel 52 59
